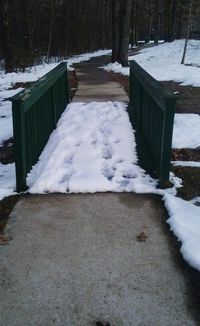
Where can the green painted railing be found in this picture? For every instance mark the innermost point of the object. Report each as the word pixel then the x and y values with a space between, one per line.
pixel 35 113
pixel 151 111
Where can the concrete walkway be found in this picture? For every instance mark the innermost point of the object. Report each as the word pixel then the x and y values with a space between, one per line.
pixel 75 260
pixel 96 84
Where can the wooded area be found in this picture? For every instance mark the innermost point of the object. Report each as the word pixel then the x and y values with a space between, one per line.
pixel 34 30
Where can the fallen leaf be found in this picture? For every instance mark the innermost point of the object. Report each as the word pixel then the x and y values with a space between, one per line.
pixel 141 237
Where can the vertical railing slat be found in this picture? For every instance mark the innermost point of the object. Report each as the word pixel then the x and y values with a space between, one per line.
pixel 19 130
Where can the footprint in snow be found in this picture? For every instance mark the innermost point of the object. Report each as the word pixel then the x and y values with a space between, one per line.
pixel 108 172
pixel 69 159
pixel 119 161
pixel 129 175
pixel 116 141
pixel 107 153
pixel 124 183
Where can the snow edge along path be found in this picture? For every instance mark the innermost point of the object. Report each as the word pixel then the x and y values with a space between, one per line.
pixel 108 140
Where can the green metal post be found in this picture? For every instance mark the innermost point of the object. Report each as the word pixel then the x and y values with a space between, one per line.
pixel 67 86
pixel 20 144
pixel 167 131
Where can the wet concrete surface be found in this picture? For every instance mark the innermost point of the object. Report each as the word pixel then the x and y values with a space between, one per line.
pixel 95 84
pixel 76 259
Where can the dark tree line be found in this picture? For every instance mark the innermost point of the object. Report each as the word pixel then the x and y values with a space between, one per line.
pixel 35 29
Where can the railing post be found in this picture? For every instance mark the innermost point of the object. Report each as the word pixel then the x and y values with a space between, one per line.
pixel 135 95
pixel 54 106
pixel 166 144
pixel 19 143
pixel 67 85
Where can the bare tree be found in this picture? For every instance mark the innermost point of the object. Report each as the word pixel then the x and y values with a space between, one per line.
pixel 6 35
pixel 121 18
pixel 188 31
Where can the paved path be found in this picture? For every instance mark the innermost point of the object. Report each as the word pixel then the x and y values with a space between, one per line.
pixel 76 259
pixel 96 84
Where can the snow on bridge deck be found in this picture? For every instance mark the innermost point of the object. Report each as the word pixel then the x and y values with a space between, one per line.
pixel 93 149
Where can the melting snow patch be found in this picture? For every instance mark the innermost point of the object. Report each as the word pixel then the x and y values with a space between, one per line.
pixel 7 180
pixel 186 132
pixel 186 163
pixel 184 221
pixel 93 149
pixel 117 68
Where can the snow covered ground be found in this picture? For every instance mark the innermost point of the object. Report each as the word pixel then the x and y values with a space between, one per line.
pixel 163 62
pixel 30 75
pixel 186 132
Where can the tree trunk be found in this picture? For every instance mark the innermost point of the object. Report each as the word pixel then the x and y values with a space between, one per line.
pixel 50 30
pixel 121 17
pixel 188 32
pixel 134 24
pixel 115 29
pixel 125 33
pixel 6 36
